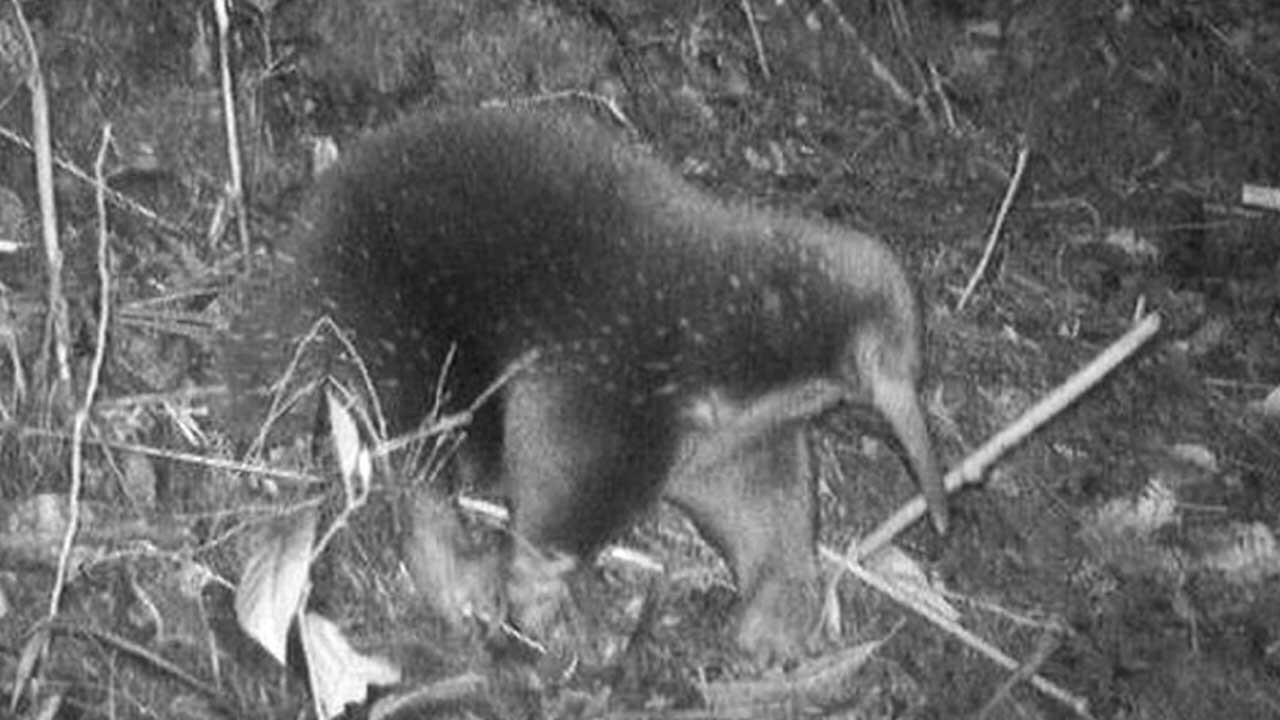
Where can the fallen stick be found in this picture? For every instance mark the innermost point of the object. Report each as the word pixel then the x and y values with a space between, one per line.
pixel 972 468
pixel 979 645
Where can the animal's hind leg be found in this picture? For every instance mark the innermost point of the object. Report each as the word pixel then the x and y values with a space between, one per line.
pixel 758 506
pixel 579 462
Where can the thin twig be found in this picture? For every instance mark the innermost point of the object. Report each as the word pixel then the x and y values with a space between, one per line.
pixel 455 421
pixel 179 456
pixel 57 327
pixel 56 324
pixel 878 68
pixel 229 118
pixel 91 389
pixel 595 99
pixel 756 40
pixel 972 468
pixel 198 326
pixel 177 296
pixel 900 22
pixel 115 197
pixel 1046 645
pixel 940 92
pixel 1005 204
pixel 179 395
pixel 143 653
pixel 379 420
pixel 280 403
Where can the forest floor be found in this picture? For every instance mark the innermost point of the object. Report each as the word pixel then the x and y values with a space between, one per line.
pixel 1123 557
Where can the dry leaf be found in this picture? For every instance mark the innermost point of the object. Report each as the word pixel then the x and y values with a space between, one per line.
pixel 274 583
pixel 1269 406
pixel 339 675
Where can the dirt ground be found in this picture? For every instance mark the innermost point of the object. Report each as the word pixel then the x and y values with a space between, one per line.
pixel 1123 557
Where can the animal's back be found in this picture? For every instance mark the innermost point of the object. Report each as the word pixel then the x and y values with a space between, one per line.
pixel 505 231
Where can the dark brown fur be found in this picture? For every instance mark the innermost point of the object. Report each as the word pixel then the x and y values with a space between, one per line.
pixel 681 341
